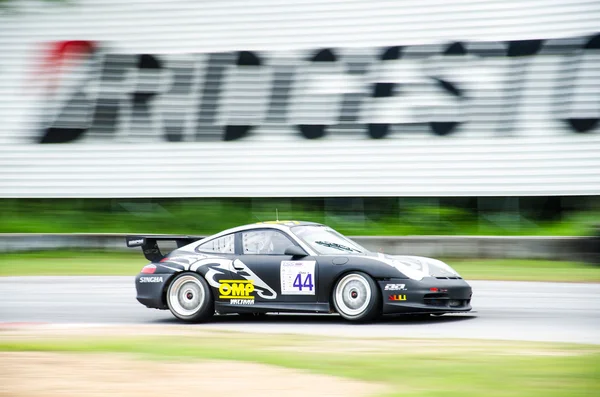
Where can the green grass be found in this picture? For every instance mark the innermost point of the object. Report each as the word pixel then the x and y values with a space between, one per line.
pixel 407 367
pixel 71 263
pixel 526 270
pixel 379 217
pixel 63 263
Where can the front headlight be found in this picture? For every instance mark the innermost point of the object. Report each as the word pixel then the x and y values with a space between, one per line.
pixel 408 271
pixel 443 266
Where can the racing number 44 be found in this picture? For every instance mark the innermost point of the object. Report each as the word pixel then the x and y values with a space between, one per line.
pixel 307 283
pixel 298 278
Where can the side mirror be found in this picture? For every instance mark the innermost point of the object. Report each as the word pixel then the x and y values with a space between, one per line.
pixel 294 250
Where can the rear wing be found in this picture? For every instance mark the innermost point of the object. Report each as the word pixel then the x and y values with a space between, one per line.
pixel 149 243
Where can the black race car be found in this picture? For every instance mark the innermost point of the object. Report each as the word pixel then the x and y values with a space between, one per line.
pixel 290 266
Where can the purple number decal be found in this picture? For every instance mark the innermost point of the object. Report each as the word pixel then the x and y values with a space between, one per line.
pixel 308 282
pixel 298 282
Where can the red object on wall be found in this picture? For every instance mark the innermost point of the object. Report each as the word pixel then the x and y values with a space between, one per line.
pixel 58 52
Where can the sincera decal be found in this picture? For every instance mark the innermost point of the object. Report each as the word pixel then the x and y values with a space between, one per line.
pixel 442 88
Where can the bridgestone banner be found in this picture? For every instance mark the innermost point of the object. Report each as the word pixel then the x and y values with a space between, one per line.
pixel 364 92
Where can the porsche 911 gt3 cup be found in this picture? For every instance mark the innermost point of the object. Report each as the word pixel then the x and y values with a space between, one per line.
pixel 291 266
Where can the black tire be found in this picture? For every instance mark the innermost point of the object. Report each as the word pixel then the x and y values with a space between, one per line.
pixel 356 298
pixel 190 299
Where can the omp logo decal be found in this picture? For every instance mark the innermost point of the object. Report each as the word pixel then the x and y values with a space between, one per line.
pixel 241 289
pixel 237 291
pixel 151 279
pixel 157 95
pixel 397 297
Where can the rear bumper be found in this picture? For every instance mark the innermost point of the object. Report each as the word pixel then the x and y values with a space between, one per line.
pixel 150 289
pixel 430 295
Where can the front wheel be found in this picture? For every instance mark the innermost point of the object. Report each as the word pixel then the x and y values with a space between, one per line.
pixel 189 298
pixel 356 298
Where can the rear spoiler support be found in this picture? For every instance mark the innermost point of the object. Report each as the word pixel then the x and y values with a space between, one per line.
pixel 149 243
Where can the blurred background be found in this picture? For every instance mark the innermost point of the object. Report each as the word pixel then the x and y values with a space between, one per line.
pixel 378 117
pixel 457 129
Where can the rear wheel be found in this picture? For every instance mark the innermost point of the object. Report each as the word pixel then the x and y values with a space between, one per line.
pixel 189 298
pixel 356 298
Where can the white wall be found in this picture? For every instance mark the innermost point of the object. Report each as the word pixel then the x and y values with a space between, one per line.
pixel 511 134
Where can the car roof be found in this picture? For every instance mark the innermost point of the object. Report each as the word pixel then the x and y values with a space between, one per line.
pixel 279 225
pixel 286 223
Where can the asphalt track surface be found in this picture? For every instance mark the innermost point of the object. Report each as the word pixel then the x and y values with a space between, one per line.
pixel 531 311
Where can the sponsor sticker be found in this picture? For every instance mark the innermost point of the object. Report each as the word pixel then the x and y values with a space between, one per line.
pixel 397 297
pixel 395 287
pixel 157 279
pixel 133 243
pixel 241 302
pixel 297 277
pixel 239 292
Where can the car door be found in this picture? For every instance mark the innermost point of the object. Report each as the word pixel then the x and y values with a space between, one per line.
pixel 292 279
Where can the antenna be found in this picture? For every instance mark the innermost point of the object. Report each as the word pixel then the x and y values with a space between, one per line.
pixel 277 214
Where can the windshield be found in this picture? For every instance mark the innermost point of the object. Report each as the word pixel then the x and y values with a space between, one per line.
pixel 327 241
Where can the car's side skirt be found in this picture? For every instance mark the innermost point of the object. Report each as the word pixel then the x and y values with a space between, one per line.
pixel 279 307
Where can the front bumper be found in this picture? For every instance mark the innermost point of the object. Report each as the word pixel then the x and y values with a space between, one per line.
pixel 150 289
pixel 430 295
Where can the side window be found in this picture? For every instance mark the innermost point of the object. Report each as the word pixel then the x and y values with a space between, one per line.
pixel 264 242
pixel 223 245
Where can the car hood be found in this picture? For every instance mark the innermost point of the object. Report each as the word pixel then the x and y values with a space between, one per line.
pixel 418 267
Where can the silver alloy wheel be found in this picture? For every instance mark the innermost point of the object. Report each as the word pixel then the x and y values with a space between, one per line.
pixel 353 295
pixel 186 296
